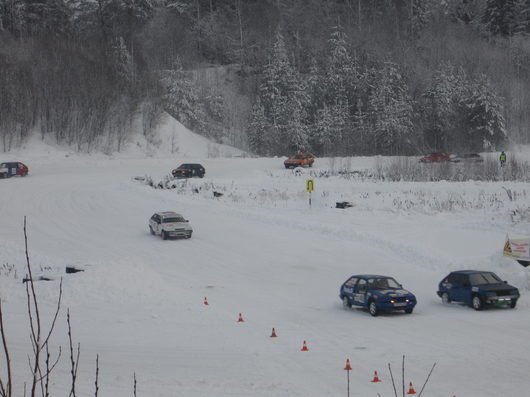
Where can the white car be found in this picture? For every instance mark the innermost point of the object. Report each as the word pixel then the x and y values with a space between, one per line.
pixel 170 224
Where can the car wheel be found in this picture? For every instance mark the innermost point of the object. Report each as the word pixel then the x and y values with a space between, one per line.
pixel 346 303
pixel 477 303
pixel 445 298
pixel 151 230
pixel 372 307
pixel 513 303
pixel 163 235
pixel 409 310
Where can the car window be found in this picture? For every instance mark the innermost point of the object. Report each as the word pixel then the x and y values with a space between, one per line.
pixel 383 283
pixel 361 286
pixel 460 279
pixel 484 278
pixel 351 282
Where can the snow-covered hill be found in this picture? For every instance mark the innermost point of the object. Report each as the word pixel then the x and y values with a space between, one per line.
pixel 258 250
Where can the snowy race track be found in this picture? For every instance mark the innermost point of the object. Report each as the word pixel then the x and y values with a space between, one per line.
pixel 260 251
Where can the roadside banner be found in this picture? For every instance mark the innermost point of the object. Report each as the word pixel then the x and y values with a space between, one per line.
pixel 518 249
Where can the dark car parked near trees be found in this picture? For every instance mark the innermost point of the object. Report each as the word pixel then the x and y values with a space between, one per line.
pixel 477 289
pixel 467 158
pixel 189 170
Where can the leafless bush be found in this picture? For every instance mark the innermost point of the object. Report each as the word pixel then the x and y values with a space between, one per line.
pixel 8 270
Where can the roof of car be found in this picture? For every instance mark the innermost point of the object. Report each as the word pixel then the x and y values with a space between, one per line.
pixel 167 214
pixel 470 271
pixel 370 276
pixel 190 164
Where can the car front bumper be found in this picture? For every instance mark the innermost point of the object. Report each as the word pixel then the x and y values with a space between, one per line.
pixel 179 233
pixel 500 300
pixel 389 306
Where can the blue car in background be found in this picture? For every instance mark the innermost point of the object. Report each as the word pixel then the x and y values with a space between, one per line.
pixel 477 289
pixel 376 293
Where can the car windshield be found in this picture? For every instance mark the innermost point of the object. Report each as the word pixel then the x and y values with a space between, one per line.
pixel 173 219
pixel 484 278
pixel 383 283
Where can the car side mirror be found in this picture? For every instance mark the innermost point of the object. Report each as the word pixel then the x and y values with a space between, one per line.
pixel 186 220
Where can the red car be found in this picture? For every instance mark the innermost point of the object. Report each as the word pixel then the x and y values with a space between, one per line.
pixel 13 168
pixel 435 157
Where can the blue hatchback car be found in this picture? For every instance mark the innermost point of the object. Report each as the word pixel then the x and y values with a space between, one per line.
pixel 477 289
pixel 376 293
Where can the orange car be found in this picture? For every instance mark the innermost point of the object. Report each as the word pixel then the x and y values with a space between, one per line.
pixel 301 159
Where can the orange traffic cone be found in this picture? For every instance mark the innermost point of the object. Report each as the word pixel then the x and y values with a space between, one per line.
pixel 376 378
pixel 304 347
pixel 273 335
pixel 206 301
pixel 240 320
pixel 411 389
pixel 348 366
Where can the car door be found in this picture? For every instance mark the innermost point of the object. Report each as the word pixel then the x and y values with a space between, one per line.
pixel 460 290
pixel 156 223
pixel 359 297
pixel 348 289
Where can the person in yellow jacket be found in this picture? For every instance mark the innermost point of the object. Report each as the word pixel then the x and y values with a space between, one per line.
pixel 502 158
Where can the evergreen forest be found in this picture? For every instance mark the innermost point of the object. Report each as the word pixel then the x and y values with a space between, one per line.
pixel 334 77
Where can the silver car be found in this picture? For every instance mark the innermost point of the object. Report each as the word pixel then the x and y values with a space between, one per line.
pixel 169 224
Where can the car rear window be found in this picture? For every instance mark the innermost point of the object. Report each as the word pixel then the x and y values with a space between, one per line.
pixel 173 219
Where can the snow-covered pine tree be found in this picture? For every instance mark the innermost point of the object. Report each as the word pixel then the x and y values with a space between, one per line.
pixel 522 21
pixel 258 129
pixel 181 99
pixel 485 116
pixel 322 135
pixel 500 17
pixel 280 90
pixel 331 130
pixel 122 61
pixel 314 90
pixel 442 108
pixel 391 112
pixel 341 70
pixel 297 131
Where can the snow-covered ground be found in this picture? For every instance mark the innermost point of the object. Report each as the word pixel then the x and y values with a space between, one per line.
pixel 261 251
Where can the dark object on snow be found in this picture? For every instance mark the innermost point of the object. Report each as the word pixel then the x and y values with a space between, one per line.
pixel 195 190
pixel 217 194
pixel 343 204
pixel 71 269
pixel 376 293
pixel 7 170
pixel 189 171
pixel 477 289
pixel 40 278
pixel 524 263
